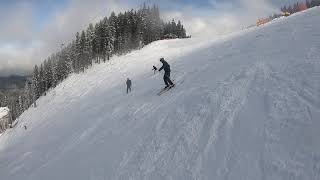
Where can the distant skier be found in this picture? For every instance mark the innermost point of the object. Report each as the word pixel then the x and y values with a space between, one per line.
pixel 129 84
pixel 166 77
pixel 154 69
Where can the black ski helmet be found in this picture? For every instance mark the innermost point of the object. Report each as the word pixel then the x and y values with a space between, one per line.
pixel 161 59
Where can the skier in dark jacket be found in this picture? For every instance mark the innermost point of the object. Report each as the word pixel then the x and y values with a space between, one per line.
pixel 129 83
pixel 166 77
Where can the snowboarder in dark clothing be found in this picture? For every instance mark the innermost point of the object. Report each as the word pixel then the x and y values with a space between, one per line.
pixel 129 83
pixel 154 69
pixel 166 77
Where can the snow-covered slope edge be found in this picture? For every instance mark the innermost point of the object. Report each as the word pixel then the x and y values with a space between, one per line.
pixel 246 106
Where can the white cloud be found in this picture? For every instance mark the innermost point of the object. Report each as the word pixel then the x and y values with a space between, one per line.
pixel 12 60
pixel 16 22
pixel 204 26
pixel 77 17
pixel 16 38
pixel 21 46
pixel 221 17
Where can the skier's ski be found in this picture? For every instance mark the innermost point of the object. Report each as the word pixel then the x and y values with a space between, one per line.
pixel 165 90
pixel 176 82
pixel 162 91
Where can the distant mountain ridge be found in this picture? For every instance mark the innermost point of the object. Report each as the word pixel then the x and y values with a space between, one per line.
pixel 13 82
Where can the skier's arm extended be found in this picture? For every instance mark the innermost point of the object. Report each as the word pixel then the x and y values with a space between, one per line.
pixel 161 68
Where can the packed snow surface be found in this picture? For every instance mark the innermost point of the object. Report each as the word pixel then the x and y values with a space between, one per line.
pixel 246 107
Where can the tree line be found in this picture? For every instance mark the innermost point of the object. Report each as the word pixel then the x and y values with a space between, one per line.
pixel 300 6
pixel 113 35
pixel 291 9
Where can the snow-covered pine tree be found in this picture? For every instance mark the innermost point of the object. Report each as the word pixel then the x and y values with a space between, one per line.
pixel 42 88
pixel 20 105
pixel 54 71
pixel 314 3
pixel 82 51
pixel 110 42
pixel 90 40
pixel 36 82
pixel 27 95
pixel 112 28
pixel 96 43
pixel 308 4
pixel 104 38
pixel 78 54
pixel 69 59
pixel 47 75
pixel 100 41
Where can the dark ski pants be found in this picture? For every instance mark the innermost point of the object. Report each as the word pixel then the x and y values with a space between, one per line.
pixel 166 79
pixel 128 89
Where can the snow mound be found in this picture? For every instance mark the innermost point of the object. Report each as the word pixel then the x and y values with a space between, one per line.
pixel 246 106
pixel 3 112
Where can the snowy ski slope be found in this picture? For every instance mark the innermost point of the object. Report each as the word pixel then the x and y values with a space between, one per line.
pixel 246 107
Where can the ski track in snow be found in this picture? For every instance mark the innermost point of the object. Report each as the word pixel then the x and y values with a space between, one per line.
pixel 246 106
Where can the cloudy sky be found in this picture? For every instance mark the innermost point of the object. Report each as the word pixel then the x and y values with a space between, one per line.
pixel 33 29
